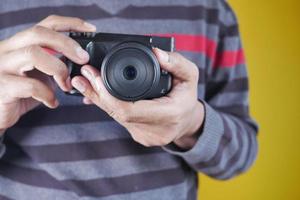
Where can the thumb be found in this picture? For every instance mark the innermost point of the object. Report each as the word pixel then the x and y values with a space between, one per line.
pixel 180 67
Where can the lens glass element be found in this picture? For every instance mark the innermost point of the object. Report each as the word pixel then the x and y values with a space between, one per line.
pixel 129 72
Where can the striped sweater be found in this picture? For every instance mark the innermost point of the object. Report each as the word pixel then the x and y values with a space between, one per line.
pixel 78 152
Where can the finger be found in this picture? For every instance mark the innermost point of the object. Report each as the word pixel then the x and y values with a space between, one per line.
pixel 143 111
pixel 105 98
pixel 97 92
pixel 32 57
pixel 18 87
pixel 84 87
pixel 62 23
pixel 45 37
pixel 177 65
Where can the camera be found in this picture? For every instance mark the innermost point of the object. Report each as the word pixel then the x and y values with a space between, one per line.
pixel 129 69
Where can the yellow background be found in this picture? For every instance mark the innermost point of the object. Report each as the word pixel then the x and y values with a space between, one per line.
pixel 270 30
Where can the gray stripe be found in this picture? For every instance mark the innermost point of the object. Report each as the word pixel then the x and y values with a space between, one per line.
pixel 111 167
pixel 70 133
pixel 20 191
pixel 200 59
pixel 96 187
pixel 226 99
pixel 231 43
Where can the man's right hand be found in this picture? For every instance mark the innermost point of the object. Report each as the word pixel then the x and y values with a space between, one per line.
pixel 26 68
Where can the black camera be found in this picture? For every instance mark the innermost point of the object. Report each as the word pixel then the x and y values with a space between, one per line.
pixel 129 69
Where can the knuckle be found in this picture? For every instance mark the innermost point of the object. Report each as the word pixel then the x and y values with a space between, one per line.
pixel 62 70
pixel 78 20
pixel 67 43
pixel 31 51
pixel 164 141
pixel 51 17
pixel 36 31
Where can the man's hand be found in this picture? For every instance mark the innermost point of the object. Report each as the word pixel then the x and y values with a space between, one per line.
pixel 158 122
pixel 26 68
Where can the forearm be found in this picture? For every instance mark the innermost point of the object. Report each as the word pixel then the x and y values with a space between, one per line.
pixel 226 147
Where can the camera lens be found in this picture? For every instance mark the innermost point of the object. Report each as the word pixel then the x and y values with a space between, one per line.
pixel 129 72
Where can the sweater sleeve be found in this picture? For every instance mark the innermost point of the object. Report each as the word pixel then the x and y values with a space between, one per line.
pixel 227 143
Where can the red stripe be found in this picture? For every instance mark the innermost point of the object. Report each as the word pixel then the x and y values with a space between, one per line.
pixel 208 47
pixel 193 43
pixel 229 59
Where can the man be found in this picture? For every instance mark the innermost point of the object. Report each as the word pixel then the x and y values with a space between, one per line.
pixel 55 147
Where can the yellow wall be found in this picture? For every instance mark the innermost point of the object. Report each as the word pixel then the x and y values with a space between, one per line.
pixel 271 32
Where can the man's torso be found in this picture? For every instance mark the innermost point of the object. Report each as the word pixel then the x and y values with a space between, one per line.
pixel 77 151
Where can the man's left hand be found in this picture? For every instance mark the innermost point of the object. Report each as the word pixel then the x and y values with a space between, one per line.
pixel 176 117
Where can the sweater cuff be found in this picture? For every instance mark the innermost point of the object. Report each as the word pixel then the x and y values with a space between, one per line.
pixel 208 141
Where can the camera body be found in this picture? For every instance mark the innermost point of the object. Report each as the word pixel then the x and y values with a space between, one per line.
pixel 129 69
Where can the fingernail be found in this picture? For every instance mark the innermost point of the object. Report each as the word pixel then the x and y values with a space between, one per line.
pixel 82 54
pixel 79 86
pixel 164 56
pixel 90 26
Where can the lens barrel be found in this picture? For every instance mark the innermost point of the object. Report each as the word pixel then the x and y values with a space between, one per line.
pixel 130 71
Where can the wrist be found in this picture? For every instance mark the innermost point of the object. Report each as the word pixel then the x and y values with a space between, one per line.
pixel 189 139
